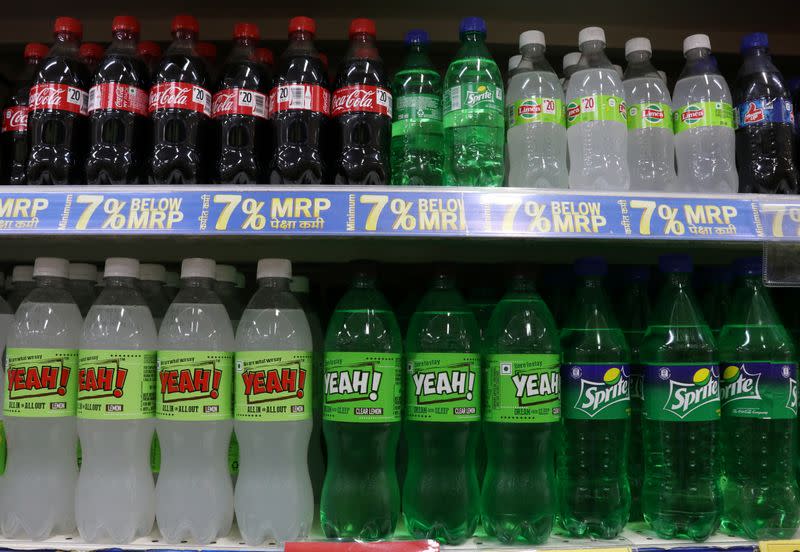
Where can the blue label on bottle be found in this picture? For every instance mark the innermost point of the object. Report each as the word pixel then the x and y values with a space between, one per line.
pixel 764 110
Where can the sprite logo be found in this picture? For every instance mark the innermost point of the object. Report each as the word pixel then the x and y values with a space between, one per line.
pixel 596 396
pixel 692 114
pixel 449 383
pixel 573 111
pixel 481 94
pixel 684 398
pixel 653 113
pixel 738 384
pixel 791 402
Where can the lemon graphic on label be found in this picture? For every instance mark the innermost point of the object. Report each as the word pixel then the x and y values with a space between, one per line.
pixel 702 376
pixel 612 375
pixel 482 88
pixel 731 373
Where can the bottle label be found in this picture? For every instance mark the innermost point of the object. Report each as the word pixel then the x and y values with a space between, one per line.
pixel 42 383
pixel 15 119
pixel 239 101
pixel 472 95
pixel 180 95
pixel 681 392
pixel 763 390
pixel 194 386
pixel 363 387
pixel 596 391
pixel 116 385
pixel 122 97
pixel 649 115
pixel 597 107
pixel 272 386
pixel 536 110
pixel 443 387
pixel 416 108
pixel 703 114
pixel 58 97
pixel 294 97
pixel 764 110
pixel 361 98
pixel 523 389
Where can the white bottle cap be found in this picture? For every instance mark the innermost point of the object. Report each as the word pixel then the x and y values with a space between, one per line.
pixel 22 273
pixel 100 281
pixel 696 41
pixel 571 59
pixel 171 279
pixel 240 280
pixel 198 268
pixel 225 273
pixel 51 266
pixel 274 268
pixel 513 62
pixel 663 75
pixel 531 37
pixel 121 267
pixel 638 44
pixel 153 272
pixel 299 284
pixel 590 34
pixel 82 271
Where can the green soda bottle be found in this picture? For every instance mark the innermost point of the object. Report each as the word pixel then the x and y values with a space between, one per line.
pixel 681 495
pixel 594 497
pixel 714 290
pixel 417 127
pixel 473 107
pixel 442 417
pixel 521 415
pixel 362 413
pixel 759 414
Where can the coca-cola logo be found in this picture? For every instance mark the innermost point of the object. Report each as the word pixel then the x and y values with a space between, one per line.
pixel 47 96
pixel 173 96
pixel 17 117
pixel 358 99
pixel 224 101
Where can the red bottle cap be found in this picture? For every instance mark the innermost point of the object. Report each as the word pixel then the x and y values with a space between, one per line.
pixel 302 24
pixel 35 50
pixel 125 23
pixel 362 25
pixel 68 25
pixel 206 50
pixel 324 59
pixel 246 30
pixel 185 23
pixel 90 50
pixel 148 48
pixel 264 55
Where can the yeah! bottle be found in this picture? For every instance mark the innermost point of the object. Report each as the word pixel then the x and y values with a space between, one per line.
pixel 58 106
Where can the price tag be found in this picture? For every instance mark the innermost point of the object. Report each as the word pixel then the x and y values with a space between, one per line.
pixel 779 546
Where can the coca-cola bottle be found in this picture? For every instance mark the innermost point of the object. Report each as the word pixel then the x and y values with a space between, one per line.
pixel 362 112
pixel 264 55
pixel 240 113
pixel 300 103
pixel 180 108
pixel 57 117
pixel 118 122
pixel 90 54
pixel 208 53
pixel 150 52
pixel 14 135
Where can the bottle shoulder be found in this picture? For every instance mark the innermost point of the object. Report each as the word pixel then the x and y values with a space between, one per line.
pixel 595 80
pixel 180 67
pixel 646 89
pixel 244 74
pixel 709 87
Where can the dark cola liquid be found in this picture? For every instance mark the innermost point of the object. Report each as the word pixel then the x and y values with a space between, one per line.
pixel 14 143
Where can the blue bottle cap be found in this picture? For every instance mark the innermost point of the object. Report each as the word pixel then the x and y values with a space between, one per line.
pixel 754 40
pixel 748 266
pixel 675 263
pixel 636 273
pixel 591 266
pixel 472 24
pixel 417 36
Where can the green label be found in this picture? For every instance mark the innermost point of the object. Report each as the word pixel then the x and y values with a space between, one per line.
pixel 681 392
pixel 363 387
pixel 523 388
pixel 763 390
pixel 703 114
pixel 116 385
pixel 443 387
pixel 649 115
pixel 272 386
pixel 471 95
pixel 42 383
pixel 597 107
pixel 536 110
pixel 596 391
pixel 194 385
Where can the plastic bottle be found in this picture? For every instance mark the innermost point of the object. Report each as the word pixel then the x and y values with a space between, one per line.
pixel 172 284
pixel 513 64
pixel 765 125
pixel 37 491
pixel 194 494
pixel 521 420
pixel 594 495
pixel 225 288
pixel 14 127
pixel 713 288
pixel 361 421
pixel 265 56
pixel 115 496
pixel 150 52
pixel 58 103
pixel 473 110
pixel 91 54
pixel 681 493
pixel 300 104
pixel 759 414
pixel 208 53
pixel 441 497
pixel 417 127
pixel 537 135
pixel 82 279
pixel 651 143
pixel 180 107
pixel 705 145
pixel 569 65
pixel 361 110
pixel 597 129
pixel 151 283
pixel 21 285
pixel 272 411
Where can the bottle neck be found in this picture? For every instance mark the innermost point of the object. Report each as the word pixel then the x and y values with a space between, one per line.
pixel 417 56
pixel 195 282
pixel 522 284
pixel 590 308
pixel 473 44
pixel 443 282
pixel 301 40
pixel 362 46
pixel 751 304
pixel 639 65
pixel 123 41
pixel 51 282
pixel 120 282
pixel 277 284
pixel 364 281
pixel 533 58
pixel 65 37
pixel 593 54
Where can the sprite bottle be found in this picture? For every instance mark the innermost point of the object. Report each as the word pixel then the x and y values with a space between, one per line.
pixel 361 417
pixel 713 285
pixel 594 496
pixel 759 414
pixel 521 415
pixel 442 417
pixel 681 494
